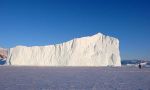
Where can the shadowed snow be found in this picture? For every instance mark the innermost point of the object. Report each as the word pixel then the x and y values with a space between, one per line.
pixel 74 78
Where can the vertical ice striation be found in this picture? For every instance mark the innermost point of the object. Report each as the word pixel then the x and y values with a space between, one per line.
pixel 96 50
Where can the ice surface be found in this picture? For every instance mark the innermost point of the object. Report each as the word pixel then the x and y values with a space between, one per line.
pixel 74 78
pixel 96 50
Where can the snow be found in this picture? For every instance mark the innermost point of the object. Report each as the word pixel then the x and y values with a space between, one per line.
pixel 96 50
pixel 74 78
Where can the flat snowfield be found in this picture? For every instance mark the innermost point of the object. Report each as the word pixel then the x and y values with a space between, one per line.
pixel 74 78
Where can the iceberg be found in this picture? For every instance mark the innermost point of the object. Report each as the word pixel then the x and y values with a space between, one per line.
pixel 96 50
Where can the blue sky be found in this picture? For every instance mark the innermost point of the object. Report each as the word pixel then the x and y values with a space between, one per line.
pixel 43 22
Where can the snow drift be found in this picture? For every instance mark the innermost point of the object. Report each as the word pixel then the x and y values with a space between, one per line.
pixel 96 50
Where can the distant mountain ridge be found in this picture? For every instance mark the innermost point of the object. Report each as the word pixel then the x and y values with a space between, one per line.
pixel 136 62
pixel 3 53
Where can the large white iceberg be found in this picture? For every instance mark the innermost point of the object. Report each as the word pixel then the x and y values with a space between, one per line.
pixel 96 50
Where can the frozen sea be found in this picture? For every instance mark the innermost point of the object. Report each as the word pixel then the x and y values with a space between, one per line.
pixel 74 78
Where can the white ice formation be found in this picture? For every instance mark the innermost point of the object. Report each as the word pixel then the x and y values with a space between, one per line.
pixel 96 50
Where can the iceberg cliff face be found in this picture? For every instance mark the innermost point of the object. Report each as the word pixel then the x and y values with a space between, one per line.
pixel 96 50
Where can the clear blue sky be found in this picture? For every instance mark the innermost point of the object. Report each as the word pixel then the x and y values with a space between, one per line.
pixel 43 22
